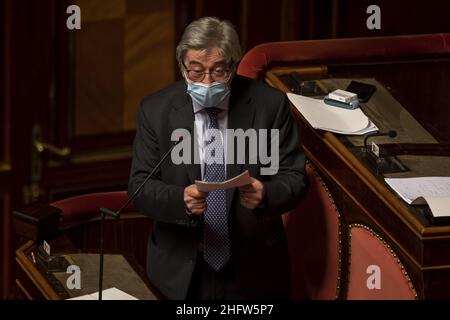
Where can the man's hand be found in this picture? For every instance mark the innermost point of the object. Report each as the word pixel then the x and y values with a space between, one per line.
pixel 195 200
pixel 252 195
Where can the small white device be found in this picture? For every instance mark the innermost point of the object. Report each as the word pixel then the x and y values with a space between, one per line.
pixel 343 96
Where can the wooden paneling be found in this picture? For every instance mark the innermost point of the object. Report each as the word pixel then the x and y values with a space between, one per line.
pixel 149 57
pixel 90 176
pixel 263 22
pixel 397 17
pixel 5 151
pixel 98 74
pixel 98 10
pixel 6 244
pixel 4 92
pixel 138 7
pixel 288 19
pixel 133 56
pixel 255 21
pixel 5 156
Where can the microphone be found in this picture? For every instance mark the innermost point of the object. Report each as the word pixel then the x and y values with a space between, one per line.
pixel 390 133
pixel 115 214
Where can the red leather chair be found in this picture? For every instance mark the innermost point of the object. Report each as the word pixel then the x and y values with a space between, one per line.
pixel 312 228
pixel 313 236
pixel 128 235
pixel 260 58
pixel 375 272
pixel 88 205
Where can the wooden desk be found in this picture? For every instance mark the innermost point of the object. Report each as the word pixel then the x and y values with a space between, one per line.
pixel 81 239
pixel 34 283
pixel 360 195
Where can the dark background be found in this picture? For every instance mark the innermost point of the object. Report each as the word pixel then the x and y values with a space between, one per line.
pixel 51 77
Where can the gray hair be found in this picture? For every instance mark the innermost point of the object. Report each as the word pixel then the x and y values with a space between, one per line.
pixel 209 32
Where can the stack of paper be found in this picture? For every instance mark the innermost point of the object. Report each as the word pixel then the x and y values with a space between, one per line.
pixel 329 118
pixel 236 182
pixel 434 191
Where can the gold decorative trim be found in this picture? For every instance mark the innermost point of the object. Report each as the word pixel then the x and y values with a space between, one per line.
pixel 316 174
pixel 386 245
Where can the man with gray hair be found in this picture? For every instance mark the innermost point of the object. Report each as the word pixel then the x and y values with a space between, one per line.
pixel 222 244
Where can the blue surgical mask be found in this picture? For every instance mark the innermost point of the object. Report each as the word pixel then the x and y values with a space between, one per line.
pixel 207 95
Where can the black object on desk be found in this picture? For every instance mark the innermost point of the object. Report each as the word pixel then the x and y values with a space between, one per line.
pixel 51 263
pixel 363 90
pixel 308 88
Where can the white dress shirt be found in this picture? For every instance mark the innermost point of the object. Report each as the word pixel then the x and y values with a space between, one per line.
pixel 201 125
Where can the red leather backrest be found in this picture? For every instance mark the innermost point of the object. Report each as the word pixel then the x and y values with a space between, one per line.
pixel 260 58
pixel 374 271
pixel 313 238
pixel 84 206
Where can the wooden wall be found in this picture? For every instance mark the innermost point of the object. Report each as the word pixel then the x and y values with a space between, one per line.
pixel 113 73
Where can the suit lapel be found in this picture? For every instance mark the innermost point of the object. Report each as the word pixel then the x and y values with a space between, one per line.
pixel 240 116
pixel 182 117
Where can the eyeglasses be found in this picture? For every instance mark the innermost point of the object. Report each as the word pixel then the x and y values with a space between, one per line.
pixel 219 74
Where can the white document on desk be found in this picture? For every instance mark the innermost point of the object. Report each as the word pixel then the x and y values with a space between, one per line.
pixel 108 294
pixel 434 191
pixel 236 182
pixel 325 117
pixel 439 206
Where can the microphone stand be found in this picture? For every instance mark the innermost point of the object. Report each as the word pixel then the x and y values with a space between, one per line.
pixel 390 133
pixel 379 161
pixel 116 214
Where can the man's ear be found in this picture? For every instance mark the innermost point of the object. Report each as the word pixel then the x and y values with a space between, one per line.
pixel 183 74
pixel 182 70
pixel 230 80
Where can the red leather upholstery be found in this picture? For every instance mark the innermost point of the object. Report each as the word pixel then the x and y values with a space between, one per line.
pixel 371 257
pixel 260 58
pixel 313 238
pixel 83 206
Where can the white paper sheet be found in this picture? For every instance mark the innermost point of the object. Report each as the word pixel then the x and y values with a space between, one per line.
pixel 330 118
pixel 434 191
pixel 108 294
pixel 439 206
pixel 236 182
pixel 411 188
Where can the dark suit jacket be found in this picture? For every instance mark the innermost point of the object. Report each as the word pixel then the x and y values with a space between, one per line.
pixel 258 242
